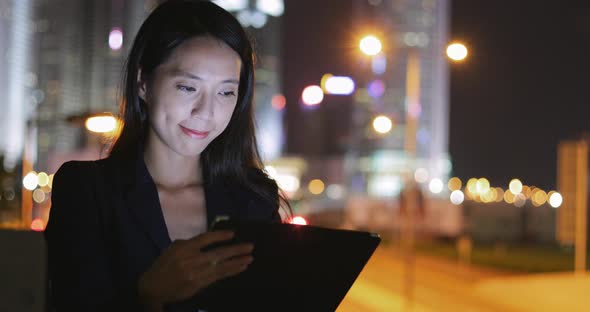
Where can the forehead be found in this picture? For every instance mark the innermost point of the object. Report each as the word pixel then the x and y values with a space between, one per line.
pixel 205 55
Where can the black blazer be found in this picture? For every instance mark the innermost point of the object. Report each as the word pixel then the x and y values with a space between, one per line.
pixel 106 228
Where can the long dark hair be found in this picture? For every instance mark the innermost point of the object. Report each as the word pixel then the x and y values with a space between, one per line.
pixel 233 156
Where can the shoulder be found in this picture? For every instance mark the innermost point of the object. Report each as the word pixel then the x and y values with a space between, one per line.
pixel 73 171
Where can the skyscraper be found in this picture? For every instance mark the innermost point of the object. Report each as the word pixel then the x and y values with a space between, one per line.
pixel 409 29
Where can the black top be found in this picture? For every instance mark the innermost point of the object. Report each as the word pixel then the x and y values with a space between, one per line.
pixel 106 228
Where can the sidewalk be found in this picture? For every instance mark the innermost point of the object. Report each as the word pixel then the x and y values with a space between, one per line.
pixel 539 292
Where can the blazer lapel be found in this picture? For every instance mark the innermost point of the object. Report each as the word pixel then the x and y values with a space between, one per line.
pixel 143 202
pixel 218 201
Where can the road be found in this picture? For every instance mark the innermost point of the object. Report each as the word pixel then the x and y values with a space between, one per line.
pixel 439 285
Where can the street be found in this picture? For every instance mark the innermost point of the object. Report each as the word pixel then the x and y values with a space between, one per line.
pixel 439 286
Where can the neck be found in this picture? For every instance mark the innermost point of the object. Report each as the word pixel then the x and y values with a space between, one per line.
pixel 170 169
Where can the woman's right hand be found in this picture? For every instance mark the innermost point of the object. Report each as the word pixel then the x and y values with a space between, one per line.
pixel 183 269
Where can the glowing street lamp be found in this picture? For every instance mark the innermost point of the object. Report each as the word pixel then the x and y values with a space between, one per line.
pixel 457 51
pixel 312 95
pixel 382 124
pixel 101 124
pixel 370 45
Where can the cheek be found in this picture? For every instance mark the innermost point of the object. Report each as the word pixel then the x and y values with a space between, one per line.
pixel 224 116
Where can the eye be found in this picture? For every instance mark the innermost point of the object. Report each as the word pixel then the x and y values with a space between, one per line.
pixel 228 93
pixel 185 88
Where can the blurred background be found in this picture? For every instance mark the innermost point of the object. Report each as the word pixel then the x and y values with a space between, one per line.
pixel 458 130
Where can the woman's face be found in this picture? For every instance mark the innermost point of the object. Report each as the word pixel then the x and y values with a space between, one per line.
pixel 191 97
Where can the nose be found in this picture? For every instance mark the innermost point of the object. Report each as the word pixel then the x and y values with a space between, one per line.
pixel 202 107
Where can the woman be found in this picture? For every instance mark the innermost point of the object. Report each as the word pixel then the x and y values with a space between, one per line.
pixel 126 233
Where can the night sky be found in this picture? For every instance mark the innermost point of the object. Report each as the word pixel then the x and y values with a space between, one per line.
pixel 524 87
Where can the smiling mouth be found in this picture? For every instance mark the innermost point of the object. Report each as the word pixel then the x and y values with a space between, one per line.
pixel 194 134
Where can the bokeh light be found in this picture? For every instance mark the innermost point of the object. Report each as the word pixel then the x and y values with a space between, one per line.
pixel 30 181
pixel 454 184
pixel 299 220
pixel 37 225
pixel 101 124
pixel 278 102
pixel 116 39
pixel 421 175
pixel 316 186
pixel 482 186
pixel 435 186
pixel 38 196
pixel 312 95
pixel 515 186
pixel 457 197
pixel 471 186
pixel 555 200
pixel 519 200
pixel 339 85
pixel 370 45
pixel 382 124
pixel 457 51
pixel 42 179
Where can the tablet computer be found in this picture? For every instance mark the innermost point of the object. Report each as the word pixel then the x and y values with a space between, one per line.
pixel 295 268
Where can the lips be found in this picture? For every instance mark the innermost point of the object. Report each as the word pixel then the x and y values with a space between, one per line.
pixel 194 133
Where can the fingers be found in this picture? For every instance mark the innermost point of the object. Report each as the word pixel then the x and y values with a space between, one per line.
pixel 209 273
pixel 209 238
pixel 226 252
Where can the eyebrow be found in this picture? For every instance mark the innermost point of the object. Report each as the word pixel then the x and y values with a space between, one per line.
pixel 182 73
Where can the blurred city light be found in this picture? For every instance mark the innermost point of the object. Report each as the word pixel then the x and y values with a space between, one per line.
pixel 279 102
pixel 384 185
pixel 515 186
pixel 539 197
pixel 382 124
pixel 30 181
pixel 316 186
pixel 271 7
pixel 116 39
pixel 37 225
pixel 50 184
pixel 379 64
pixel 519 200
pixel 101 124
pixel 312 95
pixel 42 179
pixel 232 5
pixel 299 220
pixel 471 186
pixel 457 197
pixel 287 182
pixel 457 51
pixel 339 85
pixel 499 194
pixel 454 184
pixel 271 171
pixel 421 175
pixel 335 191
pixel 555 200
pixel 370 45
pixel 509 197
pixel 436 186
pixel 482 186
pixel 38 196
pixel 376 88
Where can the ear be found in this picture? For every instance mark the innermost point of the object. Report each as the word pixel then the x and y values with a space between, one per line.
pixel 141 84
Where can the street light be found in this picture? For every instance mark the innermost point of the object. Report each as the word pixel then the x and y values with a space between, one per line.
pixel 457 51
pixel 101 124
pixel 382 124
pixel 370 45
